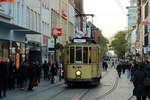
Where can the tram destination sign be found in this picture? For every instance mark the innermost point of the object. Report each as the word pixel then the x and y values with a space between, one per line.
pixel 79 40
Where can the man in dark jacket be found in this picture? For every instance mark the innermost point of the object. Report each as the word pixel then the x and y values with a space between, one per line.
pixel 31 75
pixel 119 69
pixel 45 69
pixel 147 71
pixel 138 81
pixel 3 78
pixel 53 72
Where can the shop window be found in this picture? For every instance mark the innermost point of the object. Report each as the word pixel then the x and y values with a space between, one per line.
pixel 4 52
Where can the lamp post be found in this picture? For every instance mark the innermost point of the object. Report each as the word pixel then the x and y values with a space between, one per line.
pixel 55 39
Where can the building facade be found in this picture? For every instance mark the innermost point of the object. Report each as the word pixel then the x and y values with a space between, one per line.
pixel 14 30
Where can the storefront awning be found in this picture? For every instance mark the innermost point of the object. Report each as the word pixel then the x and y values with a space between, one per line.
pixel 16 28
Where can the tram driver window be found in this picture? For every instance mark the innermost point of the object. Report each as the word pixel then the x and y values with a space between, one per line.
pixel 90 54
pixel 85 55
pixel 78 55
pixel 71 54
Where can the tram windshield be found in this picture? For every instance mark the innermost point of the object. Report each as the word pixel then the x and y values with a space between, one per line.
pixel 71 54
pixel 78 55
pixel 85 55
pixel 81 55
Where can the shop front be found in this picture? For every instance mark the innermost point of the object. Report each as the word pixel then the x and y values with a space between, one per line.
pixel 13 43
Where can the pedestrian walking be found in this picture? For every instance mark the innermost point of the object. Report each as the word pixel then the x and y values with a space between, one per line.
pixel 11 74
pixel 134 66
pixel 124 67
pixel 147 77
pixel 128 66
pixel 138 81
pixel 38 67
pixel 46 70
pixel 113 64
pixel 119 69
pixel 31 73
pixel 3 78
pixel 53 72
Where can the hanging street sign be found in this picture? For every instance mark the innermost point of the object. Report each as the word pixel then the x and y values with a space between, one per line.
pixel 148 28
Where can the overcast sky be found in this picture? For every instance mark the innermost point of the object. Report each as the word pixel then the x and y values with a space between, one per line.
pixel 110 15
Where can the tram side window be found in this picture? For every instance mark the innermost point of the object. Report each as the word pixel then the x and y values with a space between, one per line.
pixel 85 55
pixel 78 55
pixel 94 55
pixel 71 54
pixel 90 54
pixel 67 55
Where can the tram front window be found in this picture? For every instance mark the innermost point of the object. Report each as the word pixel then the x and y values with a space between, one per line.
pixel 85 55
pixel 78 55
pixel 71 54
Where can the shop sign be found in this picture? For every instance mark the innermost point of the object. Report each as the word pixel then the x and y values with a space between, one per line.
pixel 64 13
pixel 137 44
pixel 57 31
pixel 144 23
pixel 45 39
pixel 51 43
pixel 148 28
pixel 145 50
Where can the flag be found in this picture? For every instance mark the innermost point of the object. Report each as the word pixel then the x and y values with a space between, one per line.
pixel 59 31
pixel 10 1
pixel 3 0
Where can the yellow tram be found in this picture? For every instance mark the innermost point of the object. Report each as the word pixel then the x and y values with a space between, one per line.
pixel 82 62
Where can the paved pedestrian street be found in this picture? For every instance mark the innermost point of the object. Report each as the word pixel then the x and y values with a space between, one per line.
pixel 111 88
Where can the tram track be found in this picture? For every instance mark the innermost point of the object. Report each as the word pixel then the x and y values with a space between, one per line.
pixel 84 94
pixel 109 91
pixel 43 90
pixel 130 98
pixel 55 95
pixel 87 91
pixel 63 90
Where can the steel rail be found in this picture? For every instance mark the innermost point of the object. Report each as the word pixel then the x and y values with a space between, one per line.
pixel 109 91
pixel 41 91
pixel 87 91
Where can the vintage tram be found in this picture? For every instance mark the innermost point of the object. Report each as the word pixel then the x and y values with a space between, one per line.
pixel 82 62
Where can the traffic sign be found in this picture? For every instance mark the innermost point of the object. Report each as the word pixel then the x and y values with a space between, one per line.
pixel 148 27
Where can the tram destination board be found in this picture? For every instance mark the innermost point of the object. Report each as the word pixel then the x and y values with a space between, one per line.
pixel 79 41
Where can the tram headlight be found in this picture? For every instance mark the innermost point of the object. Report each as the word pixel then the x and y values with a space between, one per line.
pixel 78 73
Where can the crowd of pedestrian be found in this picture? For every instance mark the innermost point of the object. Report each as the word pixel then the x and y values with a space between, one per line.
pixel 138 72
pixel 26 76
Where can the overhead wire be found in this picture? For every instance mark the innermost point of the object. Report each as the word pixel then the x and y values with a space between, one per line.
pixel 121 6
